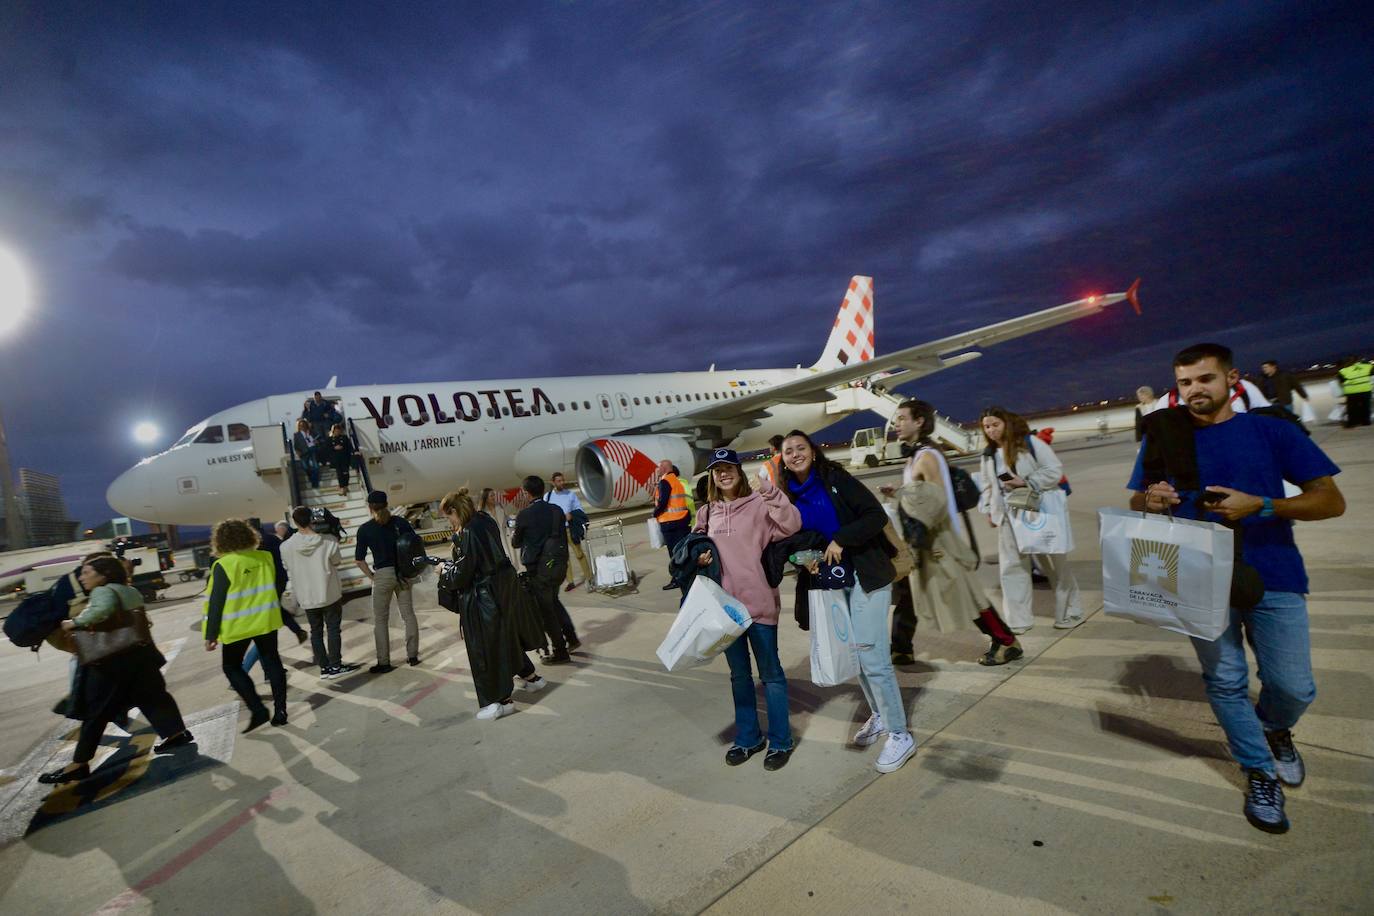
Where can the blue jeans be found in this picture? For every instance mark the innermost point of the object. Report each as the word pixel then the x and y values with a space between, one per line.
pixel 312 468
pixel 868 626
pixel 1276 629
pixel 763 639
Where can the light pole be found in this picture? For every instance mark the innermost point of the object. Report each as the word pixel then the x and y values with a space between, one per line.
pixel 14 304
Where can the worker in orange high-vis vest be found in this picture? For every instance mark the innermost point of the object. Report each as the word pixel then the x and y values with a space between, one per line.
pixel 772 465
pixel 672 511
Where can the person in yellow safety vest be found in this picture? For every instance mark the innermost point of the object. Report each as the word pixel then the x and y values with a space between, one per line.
pixel 673 510
pixel 243 609
pixel 1356 385
pixel 772 465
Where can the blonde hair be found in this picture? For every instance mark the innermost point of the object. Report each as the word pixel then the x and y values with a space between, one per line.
pixel 460 503
pixel 337 429
pixel 233 535
pixel 303 423
pixel 714 494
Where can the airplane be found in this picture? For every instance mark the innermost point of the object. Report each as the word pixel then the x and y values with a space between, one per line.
pixel 607 432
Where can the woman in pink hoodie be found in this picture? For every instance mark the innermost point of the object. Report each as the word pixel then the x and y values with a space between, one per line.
pixel 741 524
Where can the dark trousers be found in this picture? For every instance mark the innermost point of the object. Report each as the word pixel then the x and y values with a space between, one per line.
pixel 324 621
pixel 148 694
pixel 1357 409
pixel 231 660
pixel 342 471
pixel 673 533
pixel 557 624
pixel 903 618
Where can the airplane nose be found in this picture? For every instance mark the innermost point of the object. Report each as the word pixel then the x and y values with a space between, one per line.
pixel 128 494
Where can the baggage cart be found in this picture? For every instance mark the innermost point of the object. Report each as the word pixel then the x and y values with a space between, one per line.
pixel 611 572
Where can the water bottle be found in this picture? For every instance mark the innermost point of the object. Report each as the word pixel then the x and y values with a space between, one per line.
pixel 804 558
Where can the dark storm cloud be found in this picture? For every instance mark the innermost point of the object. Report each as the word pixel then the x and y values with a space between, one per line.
pixel 221 202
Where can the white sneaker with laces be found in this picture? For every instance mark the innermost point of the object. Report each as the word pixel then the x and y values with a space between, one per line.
pixel 533 685
pixel 495 710
pixel 870 733
pixel 900 748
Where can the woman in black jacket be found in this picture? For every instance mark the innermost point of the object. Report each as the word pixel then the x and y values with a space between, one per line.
pixel 483 580
pixel 850 518
pixel 339 448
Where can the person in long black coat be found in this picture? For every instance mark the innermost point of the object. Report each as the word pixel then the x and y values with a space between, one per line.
pixel 484 587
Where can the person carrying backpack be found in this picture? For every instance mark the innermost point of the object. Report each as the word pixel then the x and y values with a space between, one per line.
pixel 385 535
pixel 949 593
pixel 1014 460
pixel 541 534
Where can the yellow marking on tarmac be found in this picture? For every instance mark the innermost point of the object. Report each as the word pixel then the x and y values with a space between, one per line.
pixel 134 770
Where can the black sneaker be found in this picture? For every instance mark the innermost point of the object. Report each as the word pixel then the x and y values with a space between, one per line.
pixel 257 718
pixel 776 760
pixel 903 658
pixel 174 742
pixel 380 669
pixel 413 661
pixel 1264 803
pixel 1287 761
pixel 574 643
pixel 737 755
pixel 558 658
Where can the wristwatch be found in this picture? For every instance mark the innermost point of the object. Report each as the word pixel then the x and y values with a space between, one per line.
pixel 1267 510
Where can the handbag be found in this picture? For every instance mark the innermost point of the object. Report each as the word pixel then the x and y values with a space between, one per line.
pixel 123 630
pixel 1022 498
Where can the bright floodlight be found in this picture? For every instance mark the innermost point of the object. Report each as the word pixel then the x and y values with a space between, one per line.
pixel 14 292
pixel 146 433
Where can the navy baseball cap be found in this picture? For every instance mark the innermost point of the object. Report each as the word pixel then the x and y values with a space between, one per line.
pixel 723 456
pixel 376 498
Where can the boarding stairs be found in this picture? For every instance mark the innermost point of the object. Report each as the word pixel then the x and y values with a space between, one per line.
pixel 955 437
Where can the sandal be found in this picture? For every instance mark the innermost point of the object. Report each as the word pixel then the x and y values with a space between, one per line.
pixel 1000 654
pixel 66 774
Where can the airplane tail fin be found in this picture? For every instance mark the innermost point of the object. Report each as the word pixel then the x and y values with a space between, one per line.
pixel 851 339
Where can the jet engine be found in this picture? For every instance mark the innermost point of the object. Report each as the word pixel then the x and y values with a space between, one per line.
pixel 616 472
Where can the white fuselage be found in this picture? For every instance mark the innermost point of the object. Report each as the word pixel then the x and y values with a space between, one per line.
pixel 435 437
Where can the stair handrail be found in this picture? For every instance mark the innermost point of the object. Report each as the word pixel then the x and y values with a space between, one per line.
pixel 292 468
pixel 358 452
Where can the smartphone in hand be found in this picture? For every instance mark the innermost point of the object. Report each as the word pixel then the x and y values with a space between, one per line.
pixel 1006 476
pixel 1211 497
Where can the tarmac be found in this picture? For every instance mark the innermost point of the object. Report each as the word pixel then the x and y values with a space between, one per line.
pixel 1090 777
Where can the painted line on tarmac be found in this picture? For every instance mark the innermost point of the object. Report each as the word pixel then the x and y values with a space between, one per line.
pixel 134 895
pixel 440 677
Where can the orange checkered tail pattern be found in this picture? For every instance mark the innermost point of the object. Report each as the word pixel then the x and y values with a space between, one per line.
pixel 851 339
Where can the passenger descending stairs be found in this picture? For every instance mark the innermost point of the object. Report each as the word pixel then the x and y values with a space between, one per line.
pixel 350 510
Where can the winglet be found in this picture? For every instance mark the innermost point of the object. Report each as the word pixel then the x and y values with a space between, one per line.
pixel 1133 297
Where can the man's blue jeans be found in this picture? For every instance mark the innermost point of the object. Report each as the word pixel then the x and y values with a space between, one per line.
pixel 763 639
pixel 1276 629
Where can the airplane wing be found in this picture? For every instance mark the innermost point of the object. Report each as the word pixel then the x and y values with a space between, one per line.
pixel 715 424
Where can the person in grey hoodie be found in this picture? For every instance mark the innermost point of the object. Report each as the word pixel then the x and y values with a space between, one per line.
pixel 311 561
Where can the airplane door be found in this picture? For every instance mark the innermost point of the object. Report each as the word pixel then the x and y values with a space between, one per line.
pixel 607 408
pixel 623 401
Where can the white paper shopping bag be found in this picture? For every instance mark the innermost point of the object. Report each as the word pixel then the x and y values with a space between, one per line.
pixel 655 534
pixel 708 621
pixel 611 571
pixel 1171 573
pixel 833 659
pixel 1044 531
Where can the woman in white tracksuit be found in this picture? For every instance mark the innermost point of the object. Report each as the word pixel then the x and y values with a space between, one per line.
pixel 1014 459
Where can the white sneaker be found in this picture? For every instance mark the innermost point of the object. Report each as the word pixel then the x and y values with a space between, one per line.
pixel 533 685
pixel 899 748
pixel 495 710
pixel 1068 623
pixel 871 731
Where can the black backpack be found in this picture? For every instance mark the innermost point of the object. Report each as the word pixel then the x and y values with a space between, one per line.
pixel 966 492
pixel 411 558
pixel 34 619
pixel 325 522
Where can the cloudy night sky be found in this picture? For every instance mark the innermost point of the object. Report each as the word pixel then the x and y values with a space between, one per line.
pixel 216 203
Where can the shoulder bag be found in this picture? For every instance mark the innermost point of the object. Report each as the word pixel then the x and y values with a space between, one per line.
pixel 125 629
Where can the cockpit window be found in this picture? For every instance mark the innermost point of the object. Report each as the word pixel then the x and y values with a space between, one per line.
pixel 239 432
pixel 213 435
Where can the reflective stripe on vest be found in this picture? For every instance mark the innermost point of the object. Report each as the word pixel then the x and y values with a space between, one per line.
pixel 1355 378
pixel 251 607
pixel 676 510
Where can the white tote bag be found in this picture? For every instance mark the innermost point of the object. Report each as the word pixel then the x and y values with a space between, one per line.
pixel 1170 573
pixel 1045 531
pixel 611 571
pixel 833 658
pixel 655 534
pixel 708 621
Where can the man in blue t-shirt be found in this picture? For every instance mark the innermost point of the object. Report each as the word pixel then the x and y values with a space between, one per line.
pixel 1242 460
